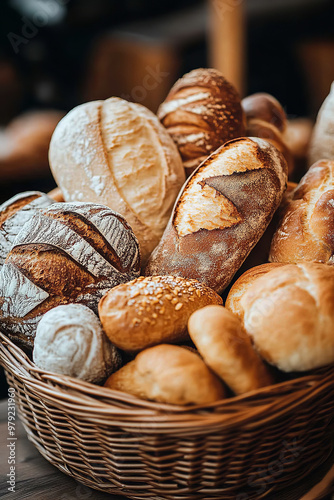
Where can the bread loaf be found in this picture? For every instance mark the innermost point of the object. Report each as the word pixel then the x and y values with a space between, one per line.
pixel 168 374
pixel 221 213
pixel 56 195
pixel 267 119
pixel 152 310
pixel 322 141
pixel 14 213
pixel 67 253
pixel 124 159
pixel 70 340
pixel 289 313
pixel 227 349
pixel 306 229
pixel 201 112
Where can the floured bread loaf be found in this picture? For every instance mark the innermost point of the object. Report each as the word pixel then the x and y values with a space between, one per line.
pixel 227 349
pixel 14 213
pixel 306 228
pixel 70 340
pixel 289 313
pixel 267 119
pixel 221 213
pixel 152 310
pixel 201 112
pixel 70 252
pixel 322 141
pixel 117 153
pixel 168 374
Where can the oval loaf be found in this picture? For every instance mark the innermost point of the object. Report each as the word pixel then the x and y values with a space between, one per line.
pixel 221 213
pixel 124 158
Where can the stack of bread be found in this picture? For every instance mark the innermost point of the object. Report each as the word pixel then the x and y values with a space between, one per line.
pixel 119 277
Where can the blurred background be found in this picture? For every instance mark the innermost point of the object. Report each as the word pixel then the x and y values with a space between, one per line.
pixel 56 54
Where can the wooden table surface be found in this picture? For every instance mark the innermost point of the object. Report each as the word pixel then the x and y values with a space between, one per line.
pixel 36 479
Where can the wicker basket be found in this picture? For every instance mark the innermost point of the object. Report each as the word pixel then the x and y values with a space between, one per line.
pixel 242 448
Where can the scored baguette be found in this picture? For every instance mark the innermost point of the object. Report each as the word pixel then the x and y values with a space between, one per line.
pixel 221 213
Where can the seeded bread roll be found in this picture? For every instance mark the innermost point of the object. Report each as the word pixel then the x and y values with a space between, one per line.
pixel 153 310
pixel 289 313
pixel 227 349
pixel 14 213
pixel 322 141
pixel 67 253
pixel 267 119
pixel 221 213
pixel 168 374
pixel 201 112
pixel 242 284
pixel 306 229
pixel 70 340
pixel 124 159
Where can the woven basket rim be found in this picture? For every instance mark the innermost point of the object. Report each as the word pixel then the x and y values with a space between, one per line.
pixel 96 401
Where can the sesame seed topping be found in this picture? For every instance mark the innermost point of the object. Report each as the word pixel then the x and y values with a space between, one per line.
pixel 169 297
pixel 175 300
pixel 178 306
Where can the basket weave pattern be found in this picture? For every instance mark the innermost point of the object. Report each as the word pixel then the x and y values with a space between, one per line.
pixel 250 445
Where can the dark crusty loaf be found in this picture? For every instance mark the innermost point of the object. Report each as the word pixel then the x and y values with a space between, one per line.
pixel 306 229
pixel 221 213
pixel 68 253
pixel 14 213
pixel 201 112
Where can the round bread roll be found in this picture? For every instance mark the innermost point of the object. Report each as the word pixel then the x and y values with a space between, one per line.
pixel 227 349
pixel 243 283
pixel 152 310
pixel 201 112
pixel 70 340
pixel 67 253
pixel 124 158
pixel 306 228
pixel 168 374
pixel 14 213
pixel 289 313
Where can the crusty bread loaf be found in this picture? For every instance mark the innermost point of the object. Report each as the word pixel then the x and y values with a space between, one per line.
pixel 306 229
pixel 168 374
pixel 14 213
pixel 267 119
pixel 227 349
pixel 152 310
pixel 289 313
pixel 70 340
pixel 221 213
pixel 118 154
pixel 64 254
pixel 243 283
pixel 322 141
pixel 201 112
pixel 56 195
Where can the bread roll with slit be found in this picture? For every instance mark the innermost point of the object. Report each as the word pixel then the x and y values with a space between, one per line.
pixel 221 213
pixel 201 112
pixel 168 374
pixel 227 349
pixel 152 310
pixel 306 229
pixel 118 154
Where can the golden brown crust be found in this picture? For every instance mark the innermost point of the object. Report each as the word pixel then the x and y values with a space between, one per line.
pixel 265 107
pixel 168 374
pixel 306 229
pixel 242 284
pixel 227 349
pixel 289 314
pixel 206 239
pixel 201 112
pixel 56 195
pixel 152 310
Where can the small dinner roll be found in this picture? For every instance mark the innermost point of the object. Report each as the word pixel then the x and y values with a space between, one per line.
pixel 168 374
pixel 227 349
pixel 70 341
